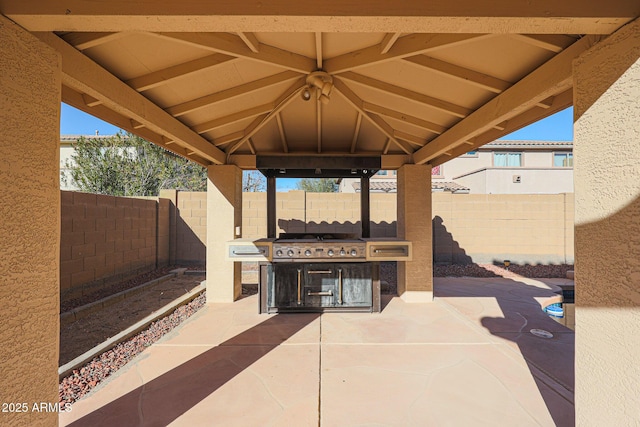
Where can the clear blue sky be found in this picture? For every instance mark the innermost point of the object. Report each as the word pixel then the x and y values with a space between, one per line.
pixel 558 127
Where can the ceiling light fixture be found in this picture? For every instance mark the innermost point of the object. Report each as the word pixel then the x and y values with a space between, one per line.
pixel 320 82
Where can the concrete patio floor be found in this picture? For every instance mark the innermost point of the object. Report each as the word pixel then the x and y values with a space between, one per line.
pixel 467 359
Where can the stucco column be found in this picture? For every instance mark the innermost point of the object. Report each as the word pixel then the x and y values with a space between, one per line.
pixel 224 214
pixel 415 278
pixel 29 225
pixel 607 235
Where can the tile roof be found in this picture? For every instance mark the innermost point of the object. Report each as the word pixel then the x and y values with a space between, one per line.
pixel 391 186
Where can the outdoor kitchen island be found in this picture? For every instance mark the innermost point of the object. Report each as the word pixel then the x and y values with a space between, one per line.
pixel 315 271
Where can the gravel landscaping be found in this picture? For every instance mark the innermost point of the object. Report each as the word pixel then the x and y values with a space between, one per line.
pixel 83 380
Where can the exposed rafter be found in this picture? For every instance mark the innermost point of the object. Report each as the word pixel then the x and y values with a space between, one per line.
pixel 411 139
pixel 319 57
pixel 416 121
pixel 233 118
pixel 85 76
pixel 444 106
pixel 251 41
pixel 233 45
pixel 205 101
pixel 82 41
pixel 560 102
pixel 552 42
pixel 358 104
pixel 167 75
pixel 75 99
pixel 475 78
pixel 388 41
pixel 226 139
pixel 283 137
pixel 285 99
pixel 553 77
pixel 411 45
pixel 356 133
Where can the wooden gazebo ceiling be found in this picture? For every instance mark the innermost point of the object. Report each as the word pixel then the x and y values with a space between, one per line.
pixel 220 83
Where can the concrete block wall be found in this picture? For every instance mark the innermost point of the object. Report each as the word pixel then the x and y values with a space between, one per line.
pixel 300 212
pixel 191 228
pixel 104 239
pixel 484 228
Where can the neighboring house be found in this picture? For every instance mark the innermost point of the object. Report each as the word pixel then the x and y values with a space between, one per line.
pixel 66 151
pixel 500 167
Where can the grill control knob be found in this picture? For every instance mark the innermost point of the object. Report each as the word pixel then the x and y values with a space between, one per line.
pixel 307 252
pixel 354 252
pixel 279 252
pixel 330 252
pixel 290 252
pixel 342 252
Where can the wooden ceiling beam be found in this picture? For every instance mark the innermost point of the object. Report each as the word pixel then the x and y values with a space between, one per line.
pixel 551 42
pixel 356 133
pixel 540 17
pixel 167 75
pixel 562 101
pixel 466 75
pixel 251 41
pixel 552 78
pixel 233 45
pixel 388 41
pixel 438 104
pixel 358 104
pixel 410 45
pixel 283 137
pixel 229 138
pixel 319 57
pixel 85 76
pixel 234 92
pixel 233 118
pixel 283 100
pixel 411 139
pixel 76 100
pixel 416 121
pixel 82 41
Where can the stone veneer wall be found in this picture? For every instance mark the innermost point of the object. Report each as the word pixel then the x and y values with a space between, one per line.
pixel 104 239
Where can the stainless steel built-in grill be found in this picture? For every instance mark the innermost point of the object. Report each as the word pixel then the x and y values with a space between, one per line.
pixel 305 247
pixel 319 272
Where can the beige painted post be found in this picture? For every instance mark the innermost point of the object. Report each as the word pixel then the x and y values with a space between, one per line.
pixel 29 226
pixel 415 278
pixel 607 236
pixel 224 214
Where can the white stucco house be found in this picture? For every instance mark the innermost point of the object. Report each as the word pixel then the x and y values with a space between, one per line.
pixel 500 167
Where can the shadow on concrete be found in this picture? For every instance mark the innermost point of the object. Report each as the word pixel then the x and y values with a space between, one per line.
pixel 165 398
pixel 550 361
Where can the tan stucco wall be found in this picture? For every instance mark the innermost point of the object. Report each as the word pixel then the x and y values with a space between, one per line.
pixel 607 173
pixel 104 239
pixel 29 225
